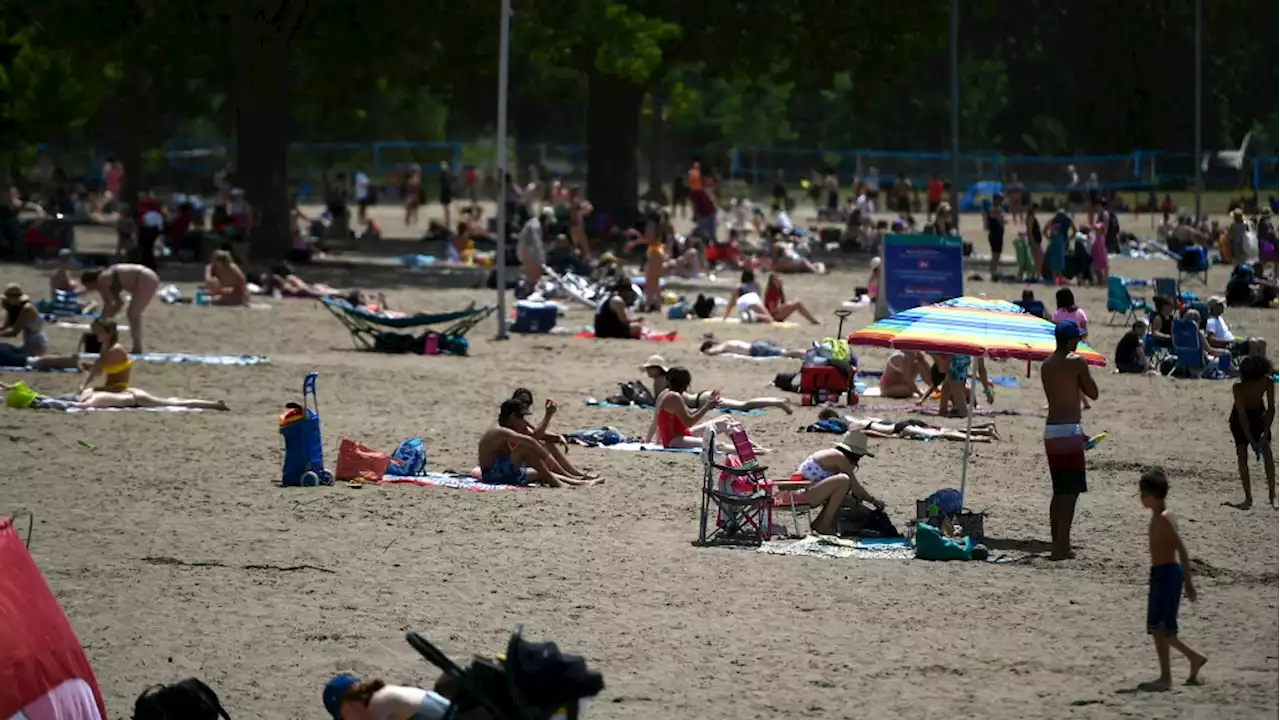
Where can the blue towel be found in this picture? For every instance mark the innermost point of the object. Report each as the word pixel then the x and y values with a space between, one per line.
pixel 592 402
pixel 28 368
pixel 1006 381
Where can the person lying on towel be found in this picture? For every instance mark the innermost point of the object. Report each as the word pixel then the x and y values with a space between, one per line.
pixel 551 442
pixel 510 457
pixel 756 349
pixel 920 430
pixel 115 366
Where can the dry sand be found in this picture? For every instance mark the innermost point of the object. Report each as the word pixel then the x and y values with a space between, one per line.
pixel 143 534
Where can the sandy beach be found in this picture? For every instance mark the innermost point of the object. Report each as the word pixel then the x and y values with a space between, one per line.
pixel 145 523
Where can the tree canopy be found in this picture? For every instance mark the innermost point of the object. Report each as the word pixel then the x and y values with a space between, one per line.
pixel 661 77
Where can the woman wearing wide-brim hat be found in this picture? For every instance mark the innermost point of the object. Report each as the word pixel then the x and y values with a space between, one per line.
pixel 21 317
pixel 831 478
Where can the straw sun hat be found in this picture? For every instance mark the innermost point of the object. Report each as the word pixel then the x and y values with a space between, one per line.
pixel 13 294
pixel 655 361
pixel 855 442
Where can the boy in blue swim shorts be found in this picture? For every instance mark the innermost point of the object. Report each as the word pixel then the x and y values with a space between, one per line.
pixel 1169 579
pixel 509 457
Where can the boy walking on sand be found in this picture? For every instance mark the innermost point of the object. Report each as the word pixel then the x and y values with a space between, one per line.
pixel 1169 578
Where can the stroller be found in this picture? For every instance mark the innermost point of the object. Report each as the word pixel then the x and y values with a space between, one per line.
pixel 532 681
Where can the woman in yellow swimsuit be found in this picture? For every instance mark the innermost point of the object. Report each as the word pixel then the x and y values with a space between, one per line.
pixel 115 366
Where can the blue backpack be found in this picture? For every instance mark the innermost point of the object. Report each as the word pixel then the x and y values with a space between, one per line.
pixel 409 459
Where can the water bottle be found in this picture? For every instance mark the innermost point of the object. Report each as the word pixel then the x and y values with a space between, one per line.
pixel 201 300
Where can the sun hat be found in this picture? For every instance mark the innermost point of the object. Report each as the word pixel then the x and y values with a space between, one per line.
pixel 13 293
pixel 655 361
pixel 337 686
pixel 855 442
pixel 1216 300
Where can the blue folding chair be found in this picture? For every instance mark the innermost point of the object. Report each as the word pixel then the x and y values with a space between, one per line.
pixel 1186 348
pixel 1194 264
pixel 1034 307
pixel 1166 287
pixel 1121 303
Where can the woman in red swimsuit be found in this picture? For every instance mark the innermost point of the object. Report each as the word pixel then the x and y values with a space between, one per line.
pixel 675 425
pixel 775 301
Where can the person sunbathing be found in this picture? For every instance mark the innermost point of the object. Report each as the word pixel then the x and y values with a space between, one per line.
pixel 756 349
pixel 777 305
pixel 674 425
pixel 60 279
pixel 139 281
pixel 283 279
pixel 657 370
pixel 115 366
pixel 787 259
pixel 224 281
pixel 510 457
pixel 920 430
pixel 347 697
pixel 901 372
pixel 832 483
pixel 552 442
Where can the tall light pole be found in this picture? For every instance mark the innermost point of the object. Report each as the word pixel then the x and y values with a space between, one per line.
pixel 1199 152
pixel 955 107
pixel 500 266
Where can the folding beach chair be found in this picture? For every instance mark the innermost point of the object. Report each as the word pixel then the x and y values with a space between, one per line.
pixel 372 331
pixel 784 494
pixel 742 503
pixel 1186 348
pixel 1166 287
pixel 1120 302
pixel 1194 264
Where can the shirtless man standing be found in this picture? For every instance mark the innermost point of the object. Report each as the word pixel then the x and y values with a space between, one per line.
pixel 1066 380
pixel 139 281
pixel 901 372
pixel 509 457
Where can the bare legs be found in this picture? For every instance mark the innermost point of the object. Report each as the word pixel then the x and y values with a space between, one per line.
pixel 828 492
pixel 144 290
pixel 1268 465
pixel 1062 512
pixel 539 461
pixel 1163 643
pixel 783 311
pixel 560 458
pixel 757 404
pixel 132 398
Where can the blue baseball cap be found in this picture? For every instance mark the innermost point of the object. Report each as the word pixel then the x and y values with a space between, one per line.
pixel 1066 330
pixel 337 686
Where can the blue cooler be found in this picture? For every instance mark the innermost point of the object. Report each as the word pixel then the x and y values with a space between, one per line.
pixel 534 317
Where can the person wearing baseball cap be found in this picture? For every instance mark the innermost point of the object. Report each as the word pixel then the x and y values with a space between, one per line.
pixel 1066 380
pixel 347 697
pixel 830 476
pixel 510 457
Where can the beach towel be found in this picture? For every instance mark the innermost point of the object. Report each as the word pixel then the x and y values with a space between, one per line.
pixel 592 402
pixel 185 359
pixel 447 480
pixel 648 447
pixel 28 368
pixel 738 321
pixel 925 410
pixel 84 326
pixel 668 337
pixel 1006 381
pixel 829 546
pixel 834 426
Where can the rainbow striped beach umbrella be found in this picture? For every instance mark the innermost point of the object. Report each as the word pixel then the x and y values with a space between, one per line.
pixel 969 326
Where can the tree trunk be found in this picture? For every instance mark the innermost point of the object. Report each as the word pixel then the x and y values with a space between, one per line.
pixel 613 131
pixel 261 49
pixel 657 142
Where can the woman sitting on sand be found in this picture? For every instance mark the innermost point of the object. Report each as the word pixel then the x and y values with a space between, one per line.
pixel 21 317
pixel 747 300
pixel 657 370
pixel 777 305
pixel 551 441
pixel 115 366
pixel 832 483
pixel 900 374
pixel 140 282
pixel 224 281
pixel 612 319
pixel 674 425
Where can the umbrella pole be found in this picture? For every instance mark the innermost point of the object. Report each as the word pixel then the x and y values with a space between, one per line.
pixel 968 435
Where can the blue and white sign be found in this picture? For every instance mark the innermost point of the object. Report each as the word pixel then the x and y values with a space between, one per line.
pixel 918 270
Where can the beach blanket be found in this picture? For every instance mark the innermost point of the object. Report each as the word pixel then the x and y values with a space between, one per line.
pixel 648 447
pixel 1007 381
pixel 667 337
pixel 68 325
pixel 447 480
pixel 925 410
pixel 28 368
pixel 828 546
pixel 592 402
pixel 185 359
pixel 63 404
